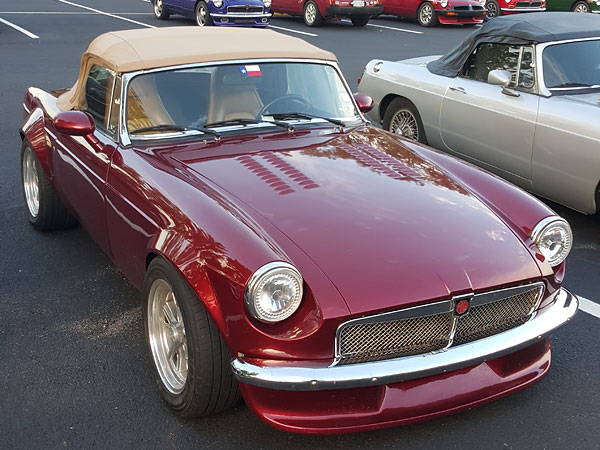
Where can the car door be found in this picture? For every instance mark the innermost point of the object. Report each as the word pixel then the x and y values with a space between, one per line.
pixel 490 125
pixel 81 166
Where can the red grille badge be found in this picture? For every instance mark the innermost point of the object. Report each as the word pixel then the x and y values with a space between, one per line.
pixel 462 305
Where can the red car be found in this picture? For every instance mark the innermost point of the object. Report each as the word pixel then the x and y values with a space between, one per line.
pixel 497 8
pixel 315 12
pixel 430 13
pixel 339 277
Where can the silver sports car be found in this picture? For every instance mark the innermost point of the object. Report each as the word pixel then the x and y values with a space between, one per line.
pixel 519 97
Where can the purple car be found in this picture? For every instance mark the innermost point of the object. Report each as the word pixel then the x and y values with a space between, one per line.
pixel 254 13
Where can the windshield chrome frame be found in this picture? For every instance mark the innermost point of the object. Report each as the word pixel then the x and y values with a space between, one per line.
pixel 127 77
pixel 544 91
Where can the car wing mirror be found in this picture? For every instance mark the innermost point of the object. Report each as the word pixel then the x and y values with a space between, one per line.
pixel 502 78
pixel 364 102
pixel 74 123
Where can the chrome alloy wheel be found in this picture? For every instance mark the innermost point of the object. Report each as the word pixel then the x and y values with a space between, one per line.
pixel 405 124
pixel 311 13
pixel 201 16
pixel 492 10
pixel 166 332
pixel 581 7
pixel 158 8
pixel 426 13
pixel 31 183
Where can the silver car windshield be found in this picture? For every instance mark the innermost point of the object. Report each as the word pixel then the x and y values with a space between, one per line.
pixel 572 65
pixel 237 95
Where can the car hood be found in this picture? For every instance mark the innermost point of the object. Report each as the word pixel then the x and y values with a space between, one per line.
pixel 388 227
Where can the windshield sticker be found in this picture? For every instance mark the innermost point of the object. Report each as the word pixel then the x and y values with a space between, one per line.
pixel 251 71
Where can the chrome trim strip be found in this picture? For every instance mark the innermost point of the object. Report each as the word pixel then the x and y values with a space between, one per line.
pixel 494 296
pixel 242 15
pixel 26 109
pixel 297 378
pixel 539 8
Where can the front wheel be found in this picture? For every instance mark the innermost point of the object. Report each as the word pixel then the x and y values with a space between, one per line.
pixel 160 11
pixel 403 119
pixel 45 210
pixel 190 358
pixel 312 15
pixel 493 9
pixel 581 7
pixel 426 15
pixel 360 21
pixel 203 18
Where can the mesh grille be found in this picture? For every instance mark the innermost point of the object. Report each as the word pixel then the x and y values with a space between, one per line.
pixel 243 9
pixel 381 340
pixel 492 318
pixel 384 340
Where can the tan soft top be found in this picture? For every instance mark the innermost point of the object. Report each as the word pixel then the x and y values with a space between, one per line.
pixel 132 50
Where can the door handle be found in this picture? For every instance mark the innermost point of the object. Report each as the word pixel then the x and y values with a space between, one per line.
pixel 459 89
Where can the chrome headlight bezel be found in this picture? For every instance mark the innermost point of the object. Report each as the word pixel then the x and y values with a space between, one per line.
pixel 260 279
pixel 217 3
pixel 443 3
pixel 267 3
pixel 542 230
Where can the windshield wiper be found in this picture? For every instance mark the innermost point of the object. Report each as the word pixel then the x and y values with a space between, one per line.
pixel 295 115
pixel 245 122
pixel 575 85
pixel 173 127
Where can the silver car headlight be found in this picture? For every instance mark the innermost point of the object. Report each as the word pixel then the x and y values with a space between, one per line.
pixel 267 3
pixel 443 3
pixel 554 238
pixel 218 3
pixel 274 292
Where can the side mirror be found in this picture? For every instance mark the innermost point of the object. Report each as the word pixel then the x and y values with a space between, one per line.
pixel 364 102
pixel 499 77
pixel 74 123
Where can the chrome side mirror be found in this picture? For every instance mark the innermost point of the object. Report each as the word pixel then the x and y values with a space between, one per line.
pixel 502 78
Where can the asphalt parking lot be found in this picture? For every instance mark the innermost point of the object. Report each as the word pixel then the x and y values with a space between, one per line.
pixel 74 372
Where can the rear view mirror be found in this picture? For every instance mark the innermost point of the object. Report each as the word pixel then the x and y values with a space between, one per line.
pixel 364 102
pixel 74 123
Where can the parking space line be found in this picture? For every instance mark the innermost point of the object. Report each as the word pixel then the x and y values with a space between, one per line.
pixel 395 29
pixel 74 13
pixel 18 28
pixel 294 31
pixel 114 16
pixel 589 307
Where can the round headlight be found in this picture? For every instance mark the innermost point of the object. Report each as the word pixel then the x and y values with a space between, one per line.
pixel 267 3
pixel 218 3
pixel 274 292
pixel 553 238
pixel 443 3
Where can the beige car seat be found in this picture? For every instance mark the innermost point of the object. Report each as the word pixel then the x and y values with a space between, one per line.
pixel 232 96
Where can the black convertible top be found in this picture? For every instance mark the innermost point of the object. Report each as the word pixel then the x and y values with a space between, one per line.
pixel 519 29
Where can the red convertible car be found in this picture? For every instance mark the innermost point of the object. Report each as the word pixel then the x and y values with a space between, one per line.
pixel 315 12
pixel 430 13
pixel 338 277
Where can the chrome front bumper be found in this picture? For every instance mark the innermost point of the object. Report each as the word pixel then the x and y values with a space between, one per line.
pixel 295 378
pixel 242 15
pixel 519 10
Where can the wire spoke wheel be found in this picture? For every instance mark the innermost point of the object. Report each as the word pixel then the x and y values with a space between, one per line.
pixel 404 123
pixel 167 336
pixel 31 183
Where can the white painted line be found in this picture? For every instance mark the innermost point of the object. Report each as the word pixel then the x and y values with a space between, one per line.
pixel 589 307
pixel 294 31
pixel 72 13
pixel 18 28
pixel 114 16
pixel 395 29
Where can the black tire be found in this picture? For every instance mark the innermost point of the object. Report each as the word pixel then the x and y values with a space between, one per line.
pixel 50 213
pixel 210 386
pixel 581 7
pixel 202 14
pixel 311 14
pixel 160 12
pixel 493 10
pixel 401 106
pixel 426 15
pixel 360 21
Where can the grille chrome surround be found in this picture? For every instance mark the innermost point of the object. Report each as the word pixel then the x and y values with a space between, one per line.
pixel 435 327
pixel 243 9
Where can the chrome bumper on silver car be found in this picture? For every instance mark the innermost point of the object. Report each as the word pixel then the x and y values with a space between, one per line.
pixel 294 378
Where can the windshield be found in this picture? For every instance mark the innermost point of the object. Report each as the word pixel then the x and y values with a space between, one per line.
pixel 259 94
pixel 572 65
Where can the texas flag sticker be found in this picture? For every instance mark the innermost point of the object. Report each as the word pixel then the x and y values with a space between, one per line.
pixel 251 71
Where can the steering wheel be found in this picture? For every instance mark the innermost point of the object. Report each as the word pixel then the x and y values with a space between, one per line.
pixel 293 98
